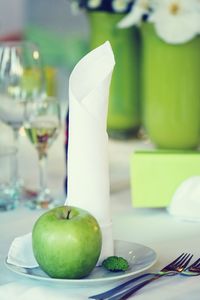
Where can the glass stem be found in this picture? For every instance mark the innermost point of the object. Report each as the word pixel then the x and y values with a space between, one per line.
pixel 15 166
pixel 43 171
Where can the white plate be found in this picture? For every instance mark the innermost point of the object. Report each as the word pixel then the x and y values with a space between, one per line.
pixel 139 257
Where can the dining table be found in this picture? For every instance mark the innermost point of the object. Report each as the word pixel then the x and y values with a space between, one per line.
pixel 155 228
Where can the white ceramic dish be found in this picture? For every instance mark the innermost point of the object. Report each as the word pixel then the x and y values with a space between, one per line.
pixel 140 258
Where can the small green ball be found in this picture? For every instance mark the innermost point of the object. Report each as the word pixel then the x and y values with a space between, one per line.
pixel 115 264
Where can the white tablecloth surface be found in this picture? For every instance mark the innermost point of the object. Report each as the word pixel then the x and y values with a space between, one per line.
pixel 151 227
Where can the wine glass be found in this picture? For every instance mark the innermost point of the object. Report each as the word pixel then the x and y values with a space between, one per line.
pixel 21 80
pixel 42 125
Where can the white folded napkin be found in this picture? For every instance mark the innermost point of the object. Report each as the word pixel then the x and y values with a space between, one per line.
pixel 88 165
pixel 185 202
pixel 21 253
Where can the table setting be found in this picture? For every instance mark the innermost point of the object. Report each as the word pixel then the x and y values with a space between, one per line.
pixel 128 226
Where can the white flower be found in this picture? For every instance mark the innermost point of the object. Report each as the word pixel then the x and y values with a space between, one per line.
pixel 120 5
pixel 75 7
pixel 140 8
pixel 176 21
pixel 94 3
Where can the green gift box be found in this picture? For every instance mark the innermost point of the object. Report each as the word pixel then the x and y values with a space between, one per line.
pixel 156 174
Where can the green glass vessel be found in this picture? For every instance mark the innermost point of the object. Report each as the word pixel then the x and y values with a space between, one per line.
pixel 171 91
pixel 124 106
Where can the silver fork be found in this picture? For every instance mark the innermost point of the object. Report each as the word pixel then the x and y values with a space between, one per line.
pixel 175 267
pixel 193 269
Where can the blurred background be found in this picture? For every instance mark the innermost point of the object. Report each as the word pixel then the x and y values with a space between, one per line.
pixel 154 95
pixel 62 40
pixel 61 36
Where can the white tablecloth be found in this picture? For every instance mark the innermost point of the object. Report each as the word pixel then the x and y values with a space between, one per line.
pixel 151 227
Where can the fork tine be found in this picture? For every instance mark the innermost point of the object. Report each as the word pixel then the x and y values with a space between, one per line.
pixel 198 265
pixel 195 264
pixel 181 260
pixel 186 261
pixel 177 259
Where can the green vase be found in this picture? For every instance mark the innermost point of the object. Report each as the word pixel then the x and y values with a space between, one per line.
pixel 171 91
pixel 123 109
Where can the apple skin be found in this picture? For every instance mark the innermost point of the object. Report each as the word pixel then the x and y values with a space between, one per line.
pixel 66 242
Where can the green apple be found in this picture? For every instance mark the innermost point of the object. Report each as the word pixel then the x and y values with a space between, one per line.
pixel 66 242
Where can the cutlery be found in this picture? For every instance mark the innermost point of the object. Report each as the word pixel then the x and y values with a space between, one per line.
pixel 193 269
pixel 125 295
pixel 175 267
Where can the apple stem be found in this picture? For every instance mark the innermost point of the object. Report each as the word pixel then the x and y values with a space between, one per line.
pixel 68 213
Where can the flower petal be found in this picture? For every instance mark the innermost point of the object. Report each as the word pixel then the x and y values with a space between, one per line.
pixel 119 5
pixel 94 3
pixel 133 18
pixel 178 29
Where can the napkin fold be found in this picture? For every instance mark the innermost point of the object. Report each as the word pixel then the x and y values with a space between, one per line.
pixel 88 165
pixel 185 202
pixel 21 253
